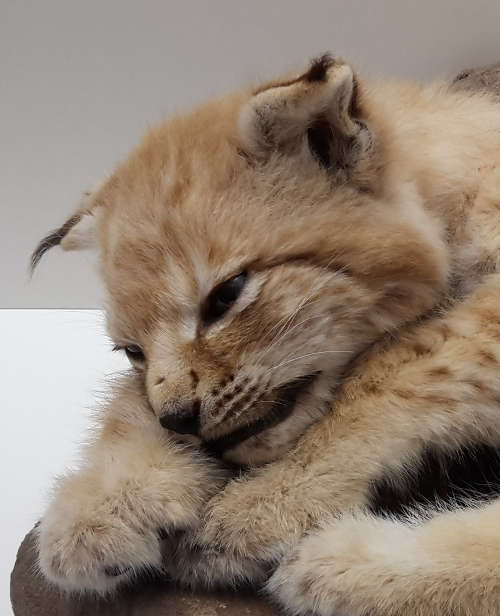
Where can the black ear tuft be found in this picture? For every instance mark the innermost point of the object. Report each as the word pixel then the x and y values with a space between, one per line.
pixel 52 239
pixel 319 68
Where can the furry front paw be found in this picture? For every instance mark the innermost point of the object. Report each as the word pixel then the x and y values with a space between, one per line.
pixel 351 567
pixel 197 565
pixel 95 550
pixel 240 539
pixel 247 523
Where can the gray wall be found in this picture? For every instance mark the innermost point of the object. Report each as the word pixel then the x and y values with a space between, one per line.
pixel 81 80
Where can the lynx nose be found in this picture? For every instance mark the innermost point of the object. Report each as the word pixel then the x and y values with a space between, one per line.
pixel 181 416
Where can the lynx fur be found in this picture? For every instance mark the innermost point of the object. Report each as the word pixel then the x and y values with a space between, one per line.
pixel 304 276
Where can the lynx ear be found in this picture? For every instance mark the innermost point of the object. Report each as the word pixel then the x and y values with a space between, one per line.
pixel 77 233
pixel 316 113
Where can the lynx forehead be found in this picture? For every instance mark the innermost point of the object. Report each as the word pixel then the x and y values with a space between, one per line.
pixel 244 249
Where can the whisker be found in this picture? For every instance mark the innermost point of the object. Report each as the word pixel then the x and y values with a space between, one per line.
pixel 305 302
pixel 284 363
pixel 286 333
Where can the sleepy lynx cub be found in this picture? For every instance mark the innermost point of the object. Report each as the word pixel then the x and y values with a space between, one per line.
pixel 304 278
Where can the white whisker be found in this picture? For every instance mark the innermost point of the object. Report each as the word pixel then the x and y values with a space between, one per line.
pixel 284 363
pixel 286 333
pixel 305 302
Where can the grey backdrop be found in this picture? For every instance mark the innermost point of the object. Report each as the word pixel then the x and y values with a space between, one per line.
pixel 81 80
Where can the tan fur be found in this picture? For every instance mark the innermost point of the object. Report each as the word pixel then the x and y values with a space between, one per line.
pixel 340 260
pixel 130 488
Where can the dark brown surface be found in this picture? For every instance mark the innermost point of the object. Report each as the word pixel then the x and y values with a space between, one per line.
pixel 32 596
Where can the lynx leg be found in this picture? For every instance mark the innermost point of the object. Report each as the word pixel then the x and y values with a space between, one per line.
pixel 361 565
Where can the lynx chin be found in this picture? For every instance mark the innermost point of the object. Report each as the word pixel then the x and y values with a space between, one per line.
pixel 304 278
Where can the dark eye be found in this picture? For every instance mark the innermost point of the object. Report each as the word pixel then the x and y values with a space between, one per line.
pixel 132 351
pixel 223 297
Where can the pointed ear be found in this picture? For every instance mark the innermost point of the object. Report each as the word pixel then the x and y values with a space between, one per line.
pixel 77 233
pixel 317 114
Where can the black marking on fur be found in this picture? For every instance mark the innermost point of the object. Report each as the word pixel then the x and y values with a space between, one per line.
pixel 52 239
pixel 462 75
pixel 115 571
pixel 162 534
pixel 282 408
pixel 450 478
pixel 333 151
pixel 354 107
pixel 317 72
pixel 320 138
pixel 319 68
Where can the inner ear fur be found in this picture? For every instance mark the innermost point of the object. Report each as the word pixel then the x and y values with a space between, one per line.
pixel 319 110
pixel 76 233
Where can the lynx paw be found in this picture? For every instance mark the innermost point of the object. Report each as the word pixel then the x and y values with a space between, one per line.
pixel 94 551
pixel 198 565
pixel 348 568
pixel 246 522
pixel 237 542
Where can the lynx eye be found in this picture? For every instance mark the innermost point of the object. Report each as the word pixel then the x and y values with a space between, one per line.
pixel 223 297
pixel 133 351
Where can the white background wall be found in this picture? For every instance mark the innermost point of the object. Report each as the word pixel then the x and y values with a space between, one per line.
pixel 52 367
pixel 81 80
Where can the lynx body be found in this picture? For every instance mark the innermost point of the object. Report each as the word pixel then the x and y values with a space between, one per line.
pixel 304 276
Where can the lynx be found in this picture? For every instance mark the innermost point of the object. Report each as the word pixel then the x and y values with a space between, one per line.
pixel 304 278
